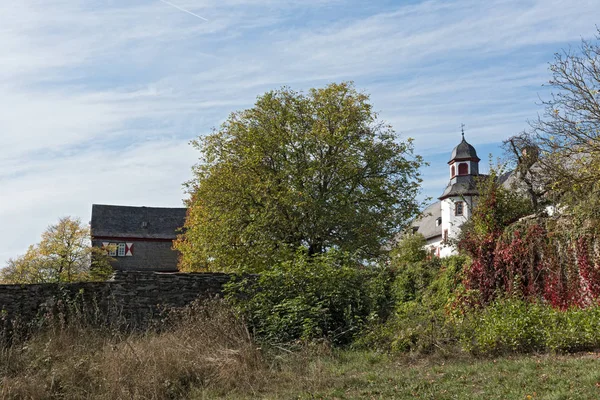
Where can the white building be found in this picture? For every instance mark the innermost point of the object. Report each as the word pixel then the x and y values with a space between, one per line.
pixel 441 221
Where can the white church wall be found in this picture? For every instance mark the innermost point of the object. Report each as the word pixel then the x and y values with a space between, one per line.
pixel 434 246
pixel 447 250
pixel 451 222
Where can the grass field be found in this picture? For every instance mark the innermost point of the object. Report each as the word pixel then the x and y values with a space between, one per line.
pixel 357 375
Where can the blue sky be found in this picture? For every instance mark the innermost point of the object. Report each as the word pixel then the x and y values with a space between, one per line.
pixel 100 98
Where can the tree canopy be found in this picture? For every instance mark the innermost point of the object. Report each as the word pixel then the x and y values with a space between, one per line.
pixel 314 170
pixel 64 254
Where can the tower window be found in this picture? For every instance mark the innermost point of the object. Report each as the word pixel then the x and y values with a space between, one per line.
pixel 463 169
pixel 458 208
pixel 445 235
pixel 452 171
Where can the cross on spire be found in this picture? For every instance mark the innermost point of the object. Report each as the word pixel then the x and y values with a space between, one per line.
pixel 462 130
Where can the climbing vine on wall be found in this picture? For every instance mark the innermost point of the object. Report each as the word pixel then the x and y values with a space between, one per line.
pixel 539 259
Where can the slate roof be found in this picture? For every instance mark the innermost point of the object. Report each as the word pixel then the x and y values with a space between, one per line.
pixel 464 185
pixel 426 223
pixel 463 151
pixel 509 180
pixel 136 222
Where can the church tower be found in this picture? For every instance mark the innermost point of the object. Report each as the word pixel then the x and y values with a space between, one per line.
pixel 460 195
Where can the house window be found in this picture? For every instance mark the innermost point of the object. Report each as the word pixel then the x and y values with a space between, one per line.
pixel 438 221
pixel 458 208
pixel 121 250
pixel 463 169
pixel 118 249
pixel 445 235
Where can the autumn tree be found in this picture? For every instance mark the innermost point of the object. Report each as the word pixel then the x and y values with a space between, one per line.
pixel 568 133
pixel 523 154
pixel 64 254
pixel 26 268
pixel 312 170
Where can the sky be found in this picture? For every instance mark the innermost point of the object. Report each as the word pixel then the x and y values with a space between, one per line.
pixel 100 98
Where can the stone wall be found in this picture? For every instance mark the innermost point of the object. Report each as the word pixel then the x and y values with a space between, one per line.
pixel 133 296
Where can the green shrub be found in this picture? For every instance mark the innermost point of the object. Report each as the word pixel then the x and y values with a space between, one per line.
pixel 574 330
pixel 506 326
pixel 413 279
pixel 514 325
pixel 311 297
pixel 410 249
pixel 432 282
pixel 421 321
pixel 509 325
pixel 439 295
pixel 419 328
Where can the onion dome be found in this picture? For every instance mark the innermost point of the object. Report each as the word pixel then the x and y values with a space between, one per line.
pixel 464 151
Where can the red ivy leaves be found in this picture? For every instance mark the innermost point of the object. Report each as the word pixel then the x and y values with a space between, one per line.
pixel 527 262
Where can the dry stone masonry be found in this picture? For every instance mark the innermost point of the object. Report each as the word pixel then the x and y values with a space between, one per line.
pixel 134 296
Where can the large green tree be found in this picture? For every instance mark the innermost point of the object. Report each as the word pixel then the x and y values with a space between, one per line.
pixel 64 254
pixel 312 170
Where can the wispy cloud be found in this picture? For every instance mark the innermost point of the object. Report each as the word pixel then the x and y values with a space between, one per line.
pixel 100 98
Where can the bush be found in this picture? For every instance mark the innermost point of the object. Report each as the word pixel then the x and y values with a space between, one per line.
pixel 413 279
pixel 513 325
pixel 410 249
pixel 506 326
pixel 421 321
pixel 313 297
pixel 574 330
pixel 419 328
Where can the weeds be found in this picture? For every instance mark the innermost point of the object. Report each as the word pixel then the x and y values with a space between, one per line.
pixel 204 346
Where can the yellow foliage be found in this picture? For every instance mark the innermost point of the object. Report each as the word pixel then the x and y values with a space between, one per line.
pixel 64 254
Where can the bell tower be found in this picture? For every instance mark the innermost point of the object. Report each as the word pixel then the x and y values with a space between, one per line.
pixel 459 197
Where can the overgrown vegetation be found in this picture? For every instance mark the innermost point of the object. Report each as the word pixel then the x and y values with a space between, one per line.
pixel 516 326
pixel 202 346
pixel 496 209
pixel 205 351
pixel 326 297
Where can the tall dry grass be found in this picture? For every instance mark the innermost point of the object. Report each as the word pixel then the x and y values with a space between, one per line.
pixel 204 346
